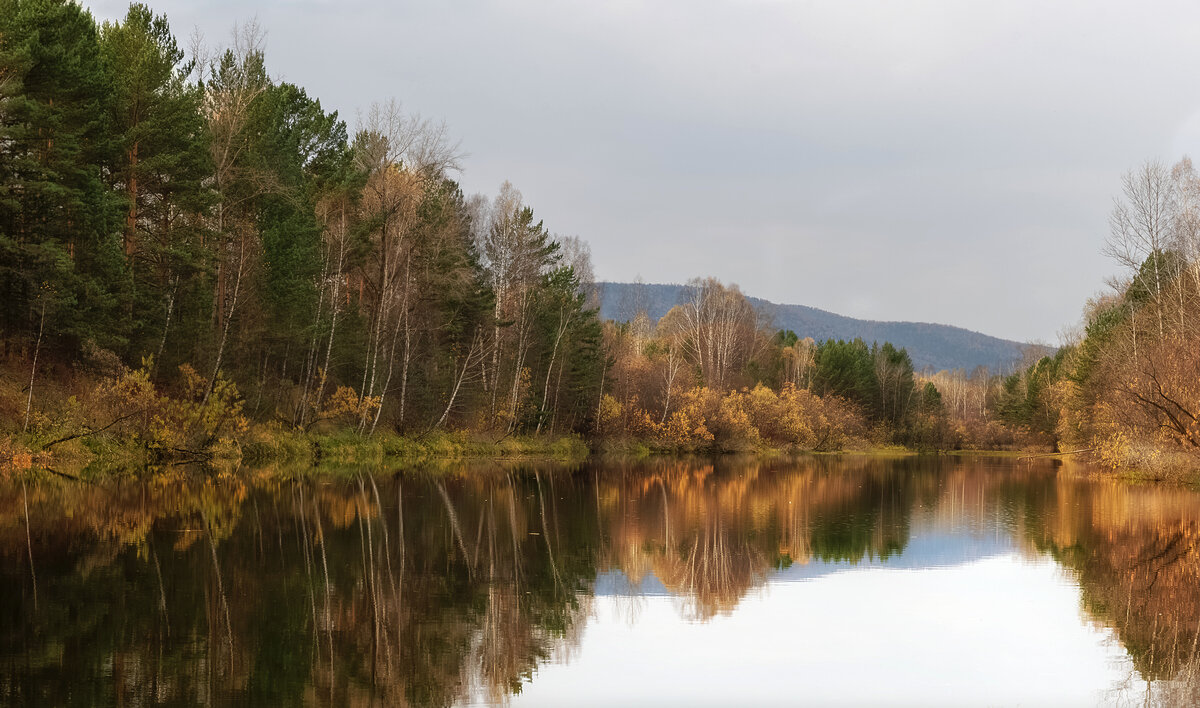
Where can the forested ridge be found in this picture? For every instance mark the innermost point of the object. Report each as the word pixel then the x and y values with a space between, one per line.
pixel 198 258
pixel 930 345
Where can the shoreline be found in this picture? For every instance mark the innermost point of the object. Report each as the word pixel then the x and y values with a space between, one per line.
pixel 275 446
pixel 264 447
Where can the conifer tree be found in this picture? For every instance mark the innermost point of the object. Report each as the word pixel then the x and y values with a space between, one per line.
pixel 59 224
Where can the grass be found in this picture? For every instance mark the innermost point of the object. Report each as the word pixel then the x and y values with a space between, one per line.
pixel 276 446
pixel 349 447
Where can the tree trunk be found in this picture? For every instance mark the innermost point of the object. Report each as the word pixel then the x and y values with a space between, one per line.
pixel 237 285
pixel 407 343
pixel 467 363
pixel 564 322
pixel 337 281
pixel 131 217
pixel 33 369
pixel 162 342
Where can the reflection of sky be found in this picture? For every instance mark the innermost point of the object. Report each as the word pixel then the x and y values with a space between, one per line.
pixel 993 629
pixel 930 549
pixel 960 617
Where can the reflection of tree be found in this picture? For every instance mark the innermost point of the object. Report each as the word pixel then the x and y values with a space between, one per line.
pixel 432 588
pixel 1135 551
pixel 105 619
pixel 309 591
pixel 711 532
pixel 451 595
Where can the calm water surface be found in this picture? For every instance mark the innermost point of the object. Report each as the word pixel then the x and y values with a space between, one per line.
pixel 830 581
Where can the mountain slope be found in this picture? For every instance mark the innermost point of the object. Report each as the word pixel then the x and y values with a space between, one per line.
pixel 936 346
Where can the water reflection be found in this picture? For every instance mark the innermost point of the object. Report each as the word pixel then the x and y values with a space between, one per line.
pixel 450 586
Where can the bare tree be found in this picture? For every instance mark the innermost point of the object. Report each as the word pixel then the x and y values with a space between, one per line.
pixel 517 252
pixel 335 213
pixel 1185 236
pixel 236 81
pixel 721 326
pixel 1140 229
pixel 673 334
pixel 798 362
pixel 577 254
pixel 402 155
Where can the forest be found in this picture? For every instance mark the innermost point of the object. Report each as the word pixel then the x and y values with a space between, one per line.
pixel 199 259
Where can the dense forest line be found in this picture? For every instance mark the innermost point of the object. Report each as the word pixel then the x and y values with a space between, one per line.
pixel 195 255
pixel 217 248
pixel 190 248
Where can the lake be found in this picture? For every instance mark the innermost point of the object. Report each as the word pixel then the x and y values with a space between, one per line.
pixel 838 580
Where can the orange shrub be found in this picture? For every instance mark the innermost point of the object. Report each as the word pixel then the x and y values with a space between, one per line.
pixel 687 426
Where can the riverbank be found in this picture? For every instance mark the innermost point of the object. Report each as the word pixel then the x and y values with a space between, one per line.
pixel 113 418
pixel 285 451
pixel 273 446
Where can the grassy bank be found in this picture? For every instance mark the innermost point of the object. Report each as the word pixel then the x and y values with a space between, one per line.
pixel 124 422
pixel 275 446
pixel 279 447
pixel 350 448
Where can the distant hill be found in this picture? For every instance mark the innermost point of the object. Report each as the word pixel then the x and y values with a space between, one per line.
pixel 935 346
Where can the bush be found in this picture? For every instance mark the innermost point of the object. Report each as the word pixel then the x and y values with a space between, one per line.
pixel 189 423
pixel 701 418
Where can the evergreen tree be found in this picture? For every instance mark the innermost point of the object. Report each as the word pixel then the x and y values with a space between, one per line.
pixel 847 369
pixel 894 377
pixel 163 169
pixel 301 147
pixel 60 244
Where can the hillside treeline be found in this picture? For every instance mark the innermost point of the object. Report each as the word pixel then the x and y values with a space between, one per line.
pixel 714 373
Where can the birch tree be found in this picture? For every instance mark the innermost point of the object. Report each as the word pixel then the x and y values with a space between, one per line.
pixel 237 82
pixel 721 326
pixel 517 252
pixel 1140 230
pixel 402 155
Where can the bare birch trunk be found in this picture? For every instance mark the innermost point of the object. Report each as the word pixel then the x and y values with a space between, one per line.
pixel 33 369
pixel 337 282
pixel 237 285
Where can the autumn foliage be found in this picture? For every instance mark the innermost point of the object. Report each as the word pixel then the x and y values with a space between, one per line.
pixel 741 419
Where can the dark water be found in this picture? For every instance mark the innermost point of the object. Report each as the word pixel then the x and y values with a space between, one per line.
pixel 830 581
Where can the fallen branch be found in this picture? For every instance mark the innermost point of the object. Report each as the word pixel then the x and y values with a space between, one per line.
pixel 1055 454
pixel 91 432
pixel 193 454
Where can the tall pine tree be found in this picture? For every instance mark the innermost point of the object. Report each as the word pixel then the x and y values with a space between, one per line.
pixel 60 245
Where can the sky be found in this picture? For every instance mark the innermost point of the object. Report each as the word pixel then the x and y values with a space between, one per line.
pixel 939 161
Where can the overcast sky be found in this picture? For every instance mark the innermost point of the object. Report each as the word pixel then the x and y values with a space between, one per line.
pixel 942 161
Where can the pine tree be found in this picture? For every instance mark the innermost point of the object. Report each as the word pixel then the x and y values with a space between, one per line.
pixel 59 224
pixel 163 169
